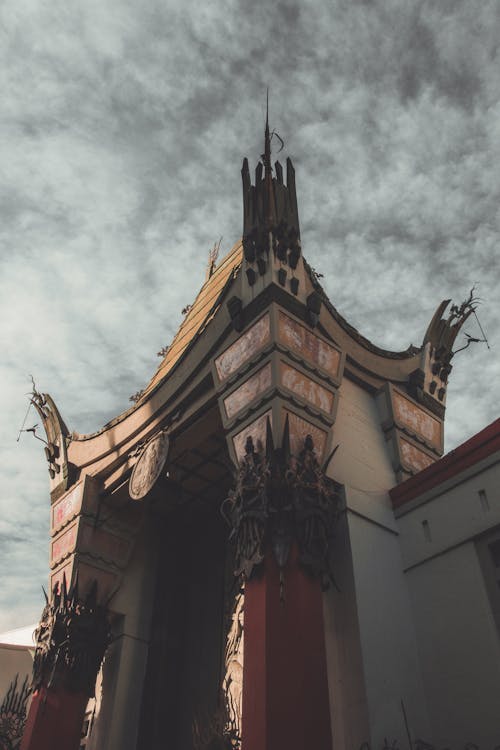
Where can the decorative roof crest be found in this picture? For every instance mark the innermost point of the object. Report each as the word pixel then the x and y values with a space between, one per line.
pixel 270 213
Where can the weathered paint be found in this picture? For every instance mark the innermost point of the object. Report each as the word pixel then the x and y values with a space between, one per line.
pixel 87 573
pixel 65 509
pixel 306 388
pixel 308 345
pixel 103 544
pixel 299 429
pixel 416 419
pixel 413 456
pixel 244 348
pixel 63 545
pixel 256 430
pixel 242 396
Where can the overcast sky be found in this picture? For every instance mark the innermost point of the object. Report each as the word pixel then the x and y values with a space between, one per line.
pixel 123 127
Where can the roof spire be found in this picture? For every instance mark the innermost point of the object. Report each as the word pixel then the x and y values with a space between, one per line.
pixel 270 215
pixel 267 139
pixel 270 209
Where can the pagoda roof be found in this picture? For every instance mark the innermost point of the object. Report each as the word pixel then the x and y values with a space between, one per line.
pixel 201 312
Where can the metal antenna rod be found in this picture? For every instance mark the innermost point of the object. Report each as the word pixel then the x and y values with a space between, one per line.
pixel 481 329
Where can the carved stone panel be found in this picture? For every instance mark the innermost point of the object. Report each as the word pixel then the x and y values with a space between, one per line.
pixel 63 545
pixel 244 348
pixel 306 388
pixel 232 684
pixel 300 429
pixel 256 430
pixel 413 457
pixel 308 345
pixel 107 580
pixel 149 466
pixel 416 419
pixel 242 396
pixel 102 544
pixel 67 507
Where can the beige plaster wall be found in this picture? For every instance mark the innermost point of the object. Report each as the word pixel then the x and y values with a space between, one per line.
pixel 362 460
pixel 370 620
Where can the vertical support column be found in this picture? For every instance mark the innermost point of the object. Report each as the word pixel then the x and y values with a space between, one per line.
pixel 283 510
pixel 55 720
pixel 70 644
pixel 285 685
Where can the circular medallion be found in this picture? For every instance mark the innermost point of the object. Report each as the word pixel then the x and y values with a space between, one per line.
pixel 149 465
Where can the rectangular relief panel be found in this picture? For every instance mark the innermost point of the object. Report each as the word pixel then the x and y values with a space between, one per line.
pixel 103 544
pixel 256 430
pixel 407 413
pixel 107 581
pixel 300 429
pixel 306 388
pixel 413 457
pixel 64 544
pixel 67 507
pixel 244 348
pixel 83 538
pixel 310 347
pixel 247 391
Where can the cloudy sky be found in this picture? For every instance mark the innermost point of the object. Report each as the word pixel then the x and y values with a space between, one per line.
pixel 123 127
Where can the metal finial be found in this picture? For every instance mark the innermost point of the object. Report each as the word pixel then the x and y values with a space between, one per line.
pixel 266 156
pixel 270 209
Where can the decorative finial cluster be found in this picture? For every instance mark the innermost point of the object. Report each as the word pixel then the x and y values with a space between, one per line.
pixel 71 640
pixel 280 498
pixel 270 213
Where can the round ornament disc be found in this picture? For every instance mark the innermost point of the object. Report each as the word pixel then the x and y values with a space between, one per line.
pixel 149 466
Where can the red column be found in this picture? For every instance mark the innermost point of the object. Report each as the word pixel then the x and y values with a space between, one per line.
pixel 54 720
pixel 285 686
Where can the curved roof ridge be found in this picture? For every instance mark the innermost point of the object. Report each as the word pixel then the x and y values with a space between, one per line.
pixel 203 309
pixel 353 332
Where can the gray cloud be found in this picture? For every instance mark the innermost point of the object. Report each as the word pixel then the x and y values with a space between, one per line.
pixel 122 133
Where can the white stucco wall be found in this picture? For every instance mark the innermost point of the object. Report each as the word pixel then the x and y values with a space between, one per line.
pixel 459 649
pixel 458 638
pixel 388 642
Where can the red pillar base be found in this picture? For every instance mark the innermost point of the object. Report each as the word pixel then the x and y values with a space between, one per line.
pixel 54 720
pixel 285 686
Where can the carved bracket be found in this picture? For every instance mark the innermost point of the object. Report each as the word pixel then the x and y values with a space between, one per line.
pixel 57 439
pixel 278 499
pixel 71 640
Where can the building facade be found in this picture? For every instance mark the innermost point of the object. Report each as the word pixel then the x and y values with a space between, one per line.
pixel 239 549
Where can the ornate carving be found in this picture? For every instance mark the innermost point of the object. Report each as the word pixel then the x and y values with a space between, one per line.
pixel 209 733
pixel 149 466
pixel 442 332
pixel 278 498
pixel 71 640
pixel 13 714
pixel 57 437
pixel 247 509
pixel 316 506
pixel 232 685
pixel 222 729
pixel 270 214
